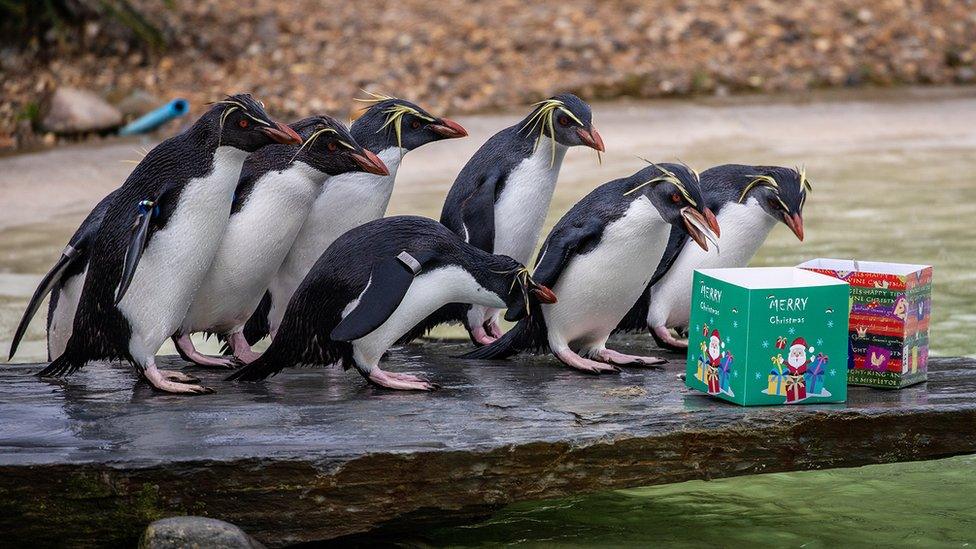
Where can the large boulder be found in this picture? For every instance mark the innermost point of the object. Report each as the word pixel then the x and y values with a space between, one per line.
pixel 71 110
pixel 180 532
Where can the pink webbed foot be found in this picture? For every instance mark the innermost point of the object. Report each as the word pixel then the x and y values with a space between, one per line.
pixel 613 357
pixel 161 380
pixel 481 337
pixel 242 349
pixel 178 376
pixel 573 360
pixel 492 327
pixel 190 353
pixel 664 336
pixel 400 382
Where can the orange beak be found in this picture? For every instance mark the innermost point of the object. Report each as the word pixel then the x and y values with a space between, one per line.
pixel 282 134
pixel 448 128
pixel 370 163
pixel 795 223
pixel 544 294
pixel 712 222
pixel 591 138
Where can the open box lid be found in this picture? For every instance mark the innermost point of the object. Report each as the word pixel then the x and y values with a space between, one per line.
pixel 758 278
pixel 876 267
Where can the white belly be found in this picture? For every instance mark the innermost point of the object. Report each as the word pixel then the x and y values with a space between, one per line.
pixel 178 257
pixel 744 229
pixel 345 202
pixel 427 293
pixel 598 288
pixel 63 317
pixel 252 249
pixel 521 209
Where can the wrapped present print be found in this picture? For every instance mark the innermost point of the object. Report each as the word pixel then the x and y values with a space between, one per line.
pixel 889 319
pixel 814 375
pixel 796 388
pixel 744 319
pixel 725 373
pixel 711 379
pixel 777 378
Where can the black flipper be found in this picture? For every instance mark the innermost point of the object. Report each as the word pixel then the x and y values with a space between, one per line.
pixel 50 280
pixel 478 214
pixel 137 244
pixel 557 251
pixel 388 283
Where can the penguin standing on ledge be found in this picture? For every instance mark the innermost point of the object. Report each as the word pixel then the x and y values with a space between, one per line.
pixel 389 127
pixel 376 282
pixel 64 283
pixel 748 202
pixel 273 197
pixel 500 199
pixel 158 238
pixel 598 259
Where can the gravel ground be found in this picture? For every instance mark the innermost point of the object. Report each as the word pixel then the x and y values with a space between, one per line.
pixel 304 56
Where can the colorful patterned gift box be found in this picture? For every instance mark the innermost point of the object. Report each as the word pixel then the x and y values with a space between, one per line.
pixel 889 325
pixel 744 320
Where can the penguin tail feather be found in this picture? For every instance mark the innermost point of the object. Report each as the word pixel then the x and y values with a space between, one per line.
pixel 264 367
pixel 61 366
pixel 509 345
pixel 257 327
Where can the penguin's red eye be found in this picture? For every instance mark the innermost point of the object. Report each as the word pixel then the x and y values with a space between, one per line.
pixel 415 124
pixel 676 198
pixel 332 146
pixel 564 120
pixel 774 204
pixel 242 123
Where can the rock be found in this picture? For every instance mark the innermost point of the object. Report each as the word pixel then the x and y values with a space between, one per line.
pixel 72 110
pixel 138 103
pixel 179 532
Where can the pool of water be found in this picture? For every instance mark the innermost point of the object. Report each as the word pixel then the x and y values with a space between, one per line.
pixel 920 504
pixel 894 178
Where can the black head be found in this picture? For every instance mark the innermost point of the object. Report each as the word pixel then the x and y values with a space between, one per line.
pixel 391 122
pixel 675 190
pixel 242 123
pixel 511 282
pixel 567 119
pixel 781 192
pixel 330 148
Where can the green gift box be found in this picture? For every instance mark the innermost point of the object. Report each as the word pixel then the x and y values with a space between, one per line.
pixel 769 335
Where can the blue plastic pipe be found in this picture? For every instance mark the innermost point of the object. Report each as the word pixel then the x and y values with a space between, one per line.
pixel 152 120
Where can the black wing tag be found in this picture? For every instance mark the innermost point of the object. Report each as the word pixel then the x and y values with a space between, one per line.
pixel 388 283
pixel 137 244
pixel 68 256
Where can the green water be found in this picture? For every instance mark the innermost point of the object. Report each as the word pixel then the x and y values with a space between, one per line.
pixel 921 504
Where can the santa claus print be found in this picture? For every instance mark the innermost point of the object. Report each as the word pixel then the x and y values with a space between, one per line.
pixel 797 362
pixel 714 362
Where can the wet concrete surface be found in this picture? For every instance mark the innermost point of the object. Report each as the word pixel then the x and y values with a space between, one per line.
pixel 316 453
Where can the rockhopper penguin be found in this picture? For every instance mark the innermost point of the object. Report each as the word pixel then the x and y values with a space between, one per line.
pixel 500 199
pixel 64 283
pixel 748 201
pixel 158 238
pixel 377 281
pixel 598 259
pixel 389 127
pixel 277 186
